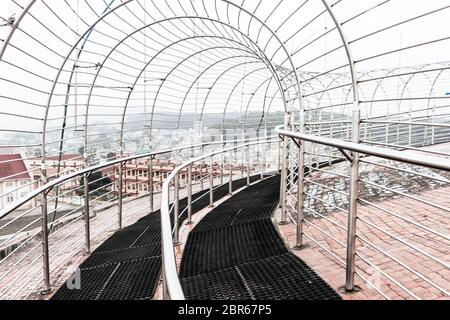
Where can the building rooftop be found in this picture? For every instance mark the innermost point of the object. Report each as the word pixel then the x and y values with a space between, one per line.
pixel 12 167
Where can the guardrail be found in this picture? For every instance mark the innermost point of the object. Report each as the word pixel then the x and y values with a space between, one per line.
pixel 327 221
pixel 54 227
pixel 169 235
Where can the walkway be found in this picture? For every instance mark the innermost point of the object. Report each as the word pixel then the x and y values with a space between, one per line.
pixel 127 266
pixel 235 253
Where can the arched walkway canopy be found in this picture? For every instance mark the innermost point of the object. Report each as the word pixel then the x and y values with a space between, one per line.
pixel 93 76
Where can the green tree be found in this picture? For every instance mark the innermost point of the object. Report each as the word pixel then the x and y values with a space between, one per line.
pixel 97 183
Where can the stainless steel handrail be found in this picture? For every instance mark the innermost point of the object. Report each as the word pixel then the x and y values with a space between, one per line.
pixel 50 185
pixel 172 286
pixel 43 191
pixel 403 156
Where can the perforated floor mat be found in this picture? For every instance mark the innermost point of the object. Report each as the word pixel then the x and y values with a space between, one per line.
pixel 235 253
pixel 127 266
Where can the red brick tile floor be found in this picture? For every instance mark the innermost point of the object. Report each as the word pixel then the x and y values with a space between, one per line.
pixel 398 273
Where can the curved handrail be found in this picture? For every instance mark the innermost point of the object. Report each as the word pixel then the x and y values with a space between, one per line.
pixel 50 185
pixel 402 156
pixel 172 285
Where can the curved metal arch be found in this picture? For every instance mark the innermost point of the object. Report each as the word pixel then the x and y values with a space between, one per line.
pixel 140 74
pixel 405 86
pixel 263 115
pixel 283 46
pixel 101 18
pixel 47 108
pixel 268 62
pixel 199 77
pixel 232 92
pixel 212 87
pixel 143 69
pixel 174 69
pixel 352 64
pixel 15 26
pixel 379 85
pixel 428 106
pixel 251 99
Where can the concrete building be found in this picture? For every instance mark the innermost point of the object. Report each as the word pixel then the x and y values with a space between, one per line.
pixel 15 180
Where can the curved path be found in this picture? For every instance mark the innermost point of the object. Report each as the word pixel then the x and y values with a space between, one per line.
pixel 127 266
pixel 235 253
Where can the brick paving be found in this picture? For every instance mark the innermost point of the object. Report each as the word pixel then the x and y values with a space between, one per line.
pixel 400 272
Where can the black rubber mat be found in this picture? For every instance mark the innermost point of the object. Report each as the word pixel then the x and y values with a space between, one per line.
pixel 127 266
pixel 121 255
pixel 235 253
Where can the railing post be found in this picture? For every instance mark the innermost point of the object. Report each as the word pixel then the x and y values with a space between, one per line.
pixel 242 162
pixel 165 291
pixel 44 240
pixel 87 216
pixel 189 204
pixel 150 184
pixel 211 183
pixel 120 195
pixel 248 165
pixel 300 195
pixel 352 218
pixel 279 156
pixel 201 170
pixel 284 172
pixel 264 159
pixel 222 165
pixel 45 250
pixel 176 212
pixel 230 174
pixel 201 175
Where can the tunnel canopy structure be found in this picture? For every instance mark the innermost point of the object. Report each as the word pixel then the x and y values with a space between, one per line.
pixel 101 75
pixel 87 82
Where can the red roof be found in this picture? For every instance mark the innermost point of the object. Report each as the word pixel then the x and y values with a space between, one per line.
pixel 12 167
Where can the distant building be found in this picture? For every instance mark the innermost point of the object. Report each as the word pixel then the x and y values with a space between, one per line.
pixel 57 167
pixel 15 180
pixel 136 175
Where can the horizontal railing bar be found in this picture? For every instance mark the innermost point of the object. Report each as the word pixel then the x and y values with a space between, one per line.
pixel 427 161
pixel 404 219
pixel 418 274
pixel 171 279
pixel 406 171
pixel 438 206
pixel 425 124
pixel 406 243
pixel 7 210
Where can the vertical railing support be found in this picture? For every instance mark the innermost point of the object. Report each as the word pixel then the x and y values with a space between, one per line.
pixel 87 216
pixel 354 176
pixel 279 156
pixel 202 186
pixel 264 159
pixel 352 218
pixel 248 165
pixel 150 184
pixel 242 161
pixel 44 240
pixel 284 172
pixel 222 165
pixel 211 183
pixel 120 187
pixel 176 211
pixel 189 204
pixel 300 195
pixel 230 174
